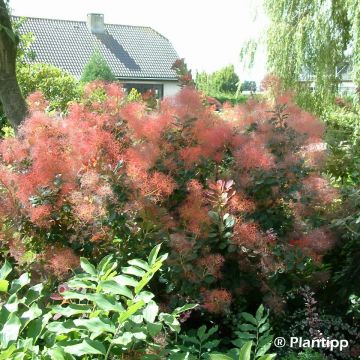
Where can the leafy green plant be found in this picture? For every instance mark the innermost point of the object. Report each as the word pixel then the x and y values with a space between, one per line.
pixel 22 316
pixel 103 313
pixel 97 69
pixel 307 354
pixel 58 86
pixel 258 330
pixel 354 306
pixel 195 344
pixel 242 354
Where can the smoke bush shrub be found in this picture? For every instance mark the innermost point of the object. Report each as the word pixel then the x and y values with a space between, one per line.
pixel 237 193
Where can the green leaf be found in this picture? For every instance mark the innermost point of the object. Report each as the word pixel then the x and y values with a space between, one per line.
pixel 213 215
pixel 132 270
pixel 249 318
pixel 106 264
pixel 247 327
pixel 265 340
pixel 184 308
pixel 62 327
pixel 245 335
pixel 170 321
pixel 33 294
pixel 19 283
pixel 85 347
pixel 201 332
pixel 35 327
pixel 267 357
pixel 259 313
pixel 245 351
pixel 144 295
pixel 77 283
pixel 131 311
pixel 125 339
pixel 71 309
pixel 32 313
pixel 107 303
pixel 154 328
pixel 112 287
pixel 125 280
pixel 262 321
pixel 12 304
pixel 4 285
pixel 150 311
pixel 230 222
pixel 87 266
pixel 139 263
pixel 5 270
pixel 219 357
pixel 211 344
pixel 58 353
pixel 264 327
pixel 143 282
pixel 262 350
pixel 6 354
pixel 10 330
pixel 96 324
pixel 213 330
pixel 154 254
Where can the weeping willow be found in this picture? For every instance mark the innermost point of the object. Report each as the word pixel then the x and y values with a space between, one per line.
pixel 311 40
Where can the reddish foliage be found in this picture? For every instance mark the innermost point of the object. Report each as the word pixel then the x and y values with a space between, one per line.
pixel 211 265
pixel 162 171
pixel 217 301
pixel 60 261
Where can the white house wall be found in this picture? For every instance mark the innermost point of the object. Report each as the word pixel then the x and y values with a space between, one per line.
pixel 170 87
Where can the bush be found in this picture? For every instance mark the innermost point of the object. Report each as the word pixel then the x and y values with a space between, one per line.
pixel 97 69
pixel 223 81
pixel 342 136
pixel 308 354
pixel 236 193
pixel 58 87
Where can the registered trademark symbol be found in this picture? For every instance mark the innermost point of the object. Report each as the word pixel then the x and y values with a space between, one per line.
pixel 279 342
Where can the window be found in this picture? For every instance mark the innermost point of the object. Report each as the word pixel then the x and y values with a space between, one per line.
pixel 143 88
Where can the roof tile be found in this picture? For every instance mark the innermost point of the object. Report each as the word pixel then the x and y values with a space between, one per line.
pixel 132 52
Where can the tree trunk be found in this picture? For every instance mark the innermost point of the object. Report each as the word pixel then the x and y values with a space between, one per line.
pixel 10 95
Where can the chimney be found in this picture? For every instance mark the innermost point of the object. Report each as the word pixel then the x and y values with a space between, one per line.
pixel 95 23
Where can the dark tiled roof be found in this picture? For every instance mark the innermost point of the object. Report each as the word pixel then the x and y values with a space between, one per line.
pixel 133 52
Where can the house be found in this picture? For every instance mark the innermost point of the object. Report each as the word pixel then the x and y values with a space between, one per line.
pixel 139 56
pixel 346 83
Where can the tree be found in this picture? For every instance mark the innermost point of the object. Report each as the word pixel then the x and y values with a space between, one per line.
pixel 314 39
pixel 223 81
pixel 248 85
pixel 11 98
pixel 58 86
pixel 97 69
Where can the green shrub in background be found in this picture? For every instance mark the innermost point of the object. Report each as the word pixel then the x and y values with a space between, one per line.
pixel 97 69
pixel 58 86
pixel 343 140
pixel 224 80
pixel 308 354
pixel 221 84
pixel 231 98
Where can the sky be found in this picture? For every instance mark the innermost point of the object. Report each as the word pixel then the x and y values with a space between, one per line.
pixel 209 34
